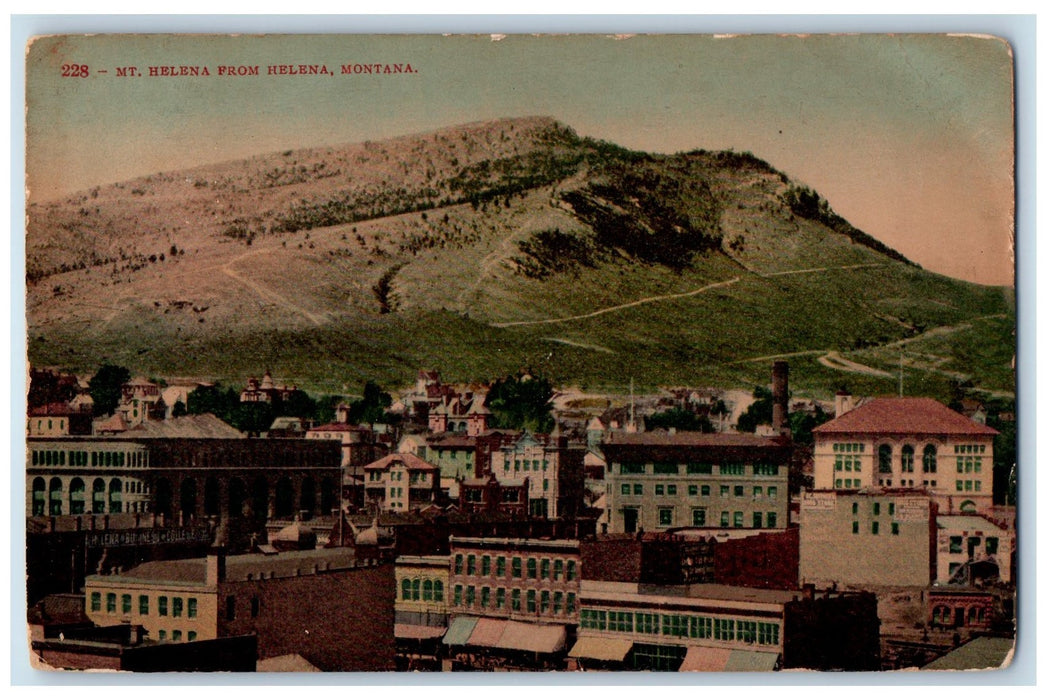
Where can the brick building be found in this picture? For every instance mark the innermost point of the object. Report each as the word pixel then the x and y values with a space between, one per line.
pixel 401 482
pixel 320 604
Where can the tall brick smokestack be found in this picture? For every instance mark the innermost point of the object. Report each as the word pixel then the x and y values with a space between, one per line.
pixel 780 398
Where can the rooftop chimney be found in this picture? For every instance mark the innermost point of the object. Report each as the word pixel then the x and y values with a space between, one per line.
pixel 215 566
pixel 780 398
pixel 844 403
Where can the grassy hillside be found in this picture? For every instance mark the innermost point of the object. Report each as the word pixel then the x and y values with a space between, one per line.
pixel 488 247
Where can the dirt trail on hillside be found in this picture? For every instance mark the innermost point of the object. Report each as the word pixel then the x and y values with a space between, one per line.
pixel 268 294
pixel 679 295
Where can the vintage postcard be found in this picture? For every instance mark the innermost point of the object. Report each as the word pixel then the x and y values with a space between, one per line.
pixel 557 353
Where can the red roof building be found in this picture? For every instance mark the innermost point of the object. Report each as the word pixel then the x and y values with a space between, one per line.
pixel 906 443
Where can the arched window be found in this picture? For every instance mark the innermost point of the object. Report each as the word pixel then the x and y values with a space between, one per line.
pixel 98 496
pixel 55 496
pixel 76 496
pixel 405 589
pixel 427 590
pixel 438 591
pixel 39 496
pixel 884 459
pixel 908 458
pixel 416 589
pixel 968 507
pixel 930 459
pixel 116 488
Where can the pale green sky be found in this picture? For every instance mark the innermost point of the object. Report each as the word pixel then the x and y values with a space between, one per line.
pixel 910 137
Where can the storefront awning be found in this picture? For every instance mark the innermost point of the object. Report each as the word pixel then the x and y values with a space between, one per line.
pixel 601 649
pixel 714 660
pixel 543 639
pixel 751 661
pixel 417 631
pixel 708 659
pixel 459 631
pixel 487 632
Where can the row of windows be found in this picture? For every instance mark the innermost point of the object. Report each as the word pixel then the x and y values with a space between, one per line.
pixel 992 544
pixel 848 447
pixel 692 626
pixel 526 465
pixel 176 636
pixel 177 604
pixel 930 459
pixel 848 483
pixel 672 468
pixel 968 449
pixel 704 489
pixel 874 528
pixel 531 600
pixel 968 485
pixel 966 465
pixel 548 569
pixel 422 589
pixel 80 458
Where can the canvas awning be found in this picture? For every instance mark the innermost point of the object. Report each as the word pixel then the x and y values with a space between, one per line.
pixel 714 660
pixel 601 649
pixel 417 631
pixel 487 632
pixel 543 639
pixel 459 631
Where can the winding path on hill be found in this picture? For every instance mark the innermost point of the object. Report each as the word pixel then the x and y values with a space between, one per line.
pixel 678 295
pixel 268 294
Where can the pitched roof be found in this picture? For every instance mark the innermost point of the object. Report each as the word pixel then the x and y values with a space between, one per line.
pixel 412 462
pixel 911 416
pixel 336 428
pixel 204 425
pixel 979 653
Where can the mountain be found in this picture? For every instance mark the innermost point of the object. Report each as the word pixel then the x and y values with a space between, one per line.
pixel 484 248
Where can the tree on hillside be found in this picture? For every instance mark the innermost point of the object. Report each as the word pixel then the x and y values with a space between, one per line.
pixel 298 404
pixel 802 423
pixel 372 406
pixel 760 412
pixel 520 402
pixel 680 419
pixel 105 388
pixel 213 399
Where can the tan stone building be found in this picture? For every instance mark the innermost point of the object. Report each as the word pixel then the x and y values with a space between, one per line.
pixel 658 481
pixel 907 443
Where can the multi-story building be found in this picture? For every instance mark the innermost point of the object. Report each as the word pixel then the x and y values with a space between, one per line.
pixel 868 537
pixel 140 401
pixel 659 481
pixel 422 606
pixel 554 471
pixel 59 419
pixel 709 627
pixel 514 602
pixel 493 495
pixel 318 603
pixel 401 482
pixel 972 548
pixel 907 443
pixel 185 479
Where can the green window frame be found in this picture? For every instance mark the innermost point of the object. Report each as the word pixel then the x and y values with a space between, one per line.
pixel 572 571
pixel 96 601
pixel 125 603
pixel 110 602
pixel 161 606
pixel 532 600
pixel 532 567
pixel 499 566
pixel 143 605
pixel 517 567
pixel 176 607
